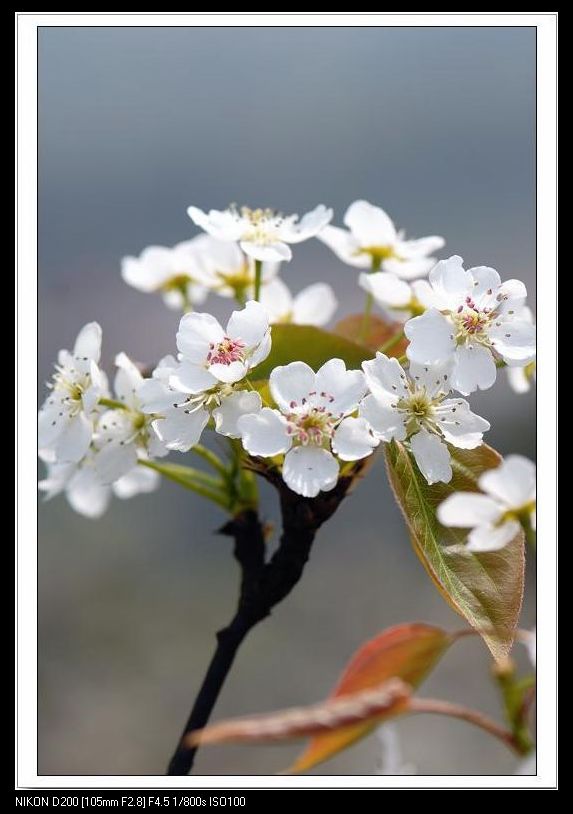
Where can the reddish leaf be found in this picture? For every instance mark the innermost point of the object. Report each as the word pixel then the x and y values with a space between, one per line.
pixel 335 715
pixel 407 652
pixel 378 334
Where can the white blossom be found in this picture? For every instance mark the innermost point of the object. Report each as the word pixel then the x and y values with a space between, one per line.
pixel 312 425
pixel 225 270
pixel 84 490
pixel 173 272
pixel 391 761
pixel 65 419
pixel 314 305
pixel 473 319
pixel 372 241
pixel 494 517
pixel 182 395
pixel 414 407
pixel 124 435
pixel 263 234
pixel 396 297
pixel 521 378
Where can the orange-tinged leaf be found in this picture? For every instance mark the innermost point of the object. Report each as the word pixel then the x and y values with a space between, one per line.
pixel 336 714
pixel 407 652
pixel 486 588
pixel 379 332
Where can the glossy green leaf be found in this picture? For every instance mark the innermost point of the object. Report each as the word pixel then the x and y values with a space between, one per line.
pixel 486 588
pixel 305 343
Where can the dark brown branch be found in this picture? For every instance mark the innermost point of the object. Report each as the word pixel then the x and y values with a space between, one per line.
pixel 263 585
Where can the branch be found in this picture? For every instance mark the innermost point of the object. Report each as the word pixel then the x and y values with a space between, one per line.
pixel 263 585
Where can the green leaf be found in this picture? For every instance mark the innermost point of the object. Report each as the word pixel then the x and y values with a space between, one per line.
pixel 487 588
pixel 305 343
pixel 190 478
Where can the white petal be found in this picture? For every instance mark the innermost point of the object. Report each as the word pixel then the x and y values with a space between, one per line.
pixel 261 352
pixel 353 440
pixel 531 645
pixel 309 226
pixel 128 379
pixel 51 423
pixel 518 379
pixel 232 407
pixel 140 480
pixel 150 270
pixel 197 332
pixel 345 246
pixel 409 269
pixel 231 373
pixel 370 225
pixel 180 429
pixel 513 294
pixel 474 367
pixel 314 305
pixel 250 324
pixel 338 389
pixel 310 470
pixel 435 379
pixel 277 301
pixel 276 252
pixel 451 281
pixel 75 439
pixel 289 384
pixel 431 338
pixel 432 457
pixel 460 426
pixel 468 509
pixel 114 461
pixel 87 495
pixel 486 280
pixel 385 377
pixel 88 342
pixel 222 225
pixel 56 479
pixel 492 538
pixel 425 294
pixel 264 433
pixel 386 288
pixel 155 396
pixel 514 340
pixel 191 378
pixel 513 482
pixel 385 421
pixel 422 247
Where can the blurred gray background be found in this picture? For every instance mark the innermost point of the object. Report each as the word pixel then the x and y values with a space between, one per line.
pixel 434 124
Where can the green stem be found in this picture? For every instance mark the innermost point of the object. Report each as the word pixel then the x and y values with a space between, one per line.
pixel 392 342
pixel 211 458
pixel 112 404
pixel 194 480
pixel 258 278
pixel 376 262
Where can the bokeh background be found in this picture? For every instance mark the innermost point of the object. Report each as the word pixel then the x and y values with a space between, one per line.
pixel 135 124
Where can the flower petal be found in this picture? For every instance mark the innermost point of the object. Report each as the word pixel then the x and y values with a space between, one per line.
pixel 140 480
pixel 431 338
pixel 127 380
pixel 338 389
pixel 181 429
pixel 345 246
pixel 486 280
pixel 492 538
pixel 276 252
pixel 474 367
pixel 88 342
pixel 460 426
pixel 514 340
pixel 421 247
pixel 86 495
pixel 451 281
pixel 197 332
pixel 264 433
pixel 370 225
pixel 191 378
pixel 289 384
pixel 310 470
pixel 155 396
pixel 384 420
pixel 432 457
pixel 314 305
pixel 277 301
pixel 385 377
pixel 386 288
pixel 468 509
pixel 231 409
pixel 250 324
pixel 114 461
pixel 229 374
pixel 224 225
pixel 409 269
pixel 74 440
pixel 513 482
pixel 308 226
pixel 352 439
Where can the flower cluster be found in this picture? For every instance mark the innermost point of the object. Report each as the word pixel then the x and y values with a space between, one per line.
pixel 310 424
